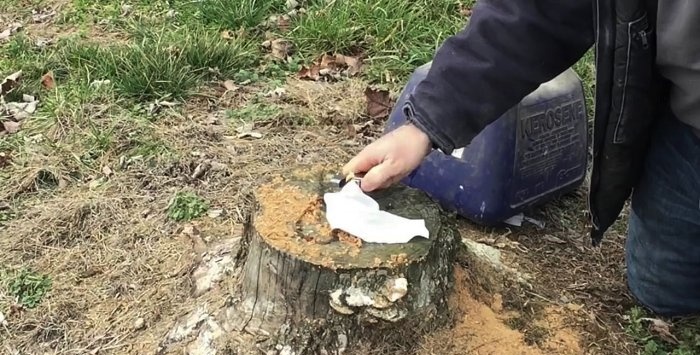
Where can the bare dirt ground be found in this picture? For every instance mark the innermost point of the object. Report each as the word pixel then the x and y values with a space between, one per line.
pixel 125 277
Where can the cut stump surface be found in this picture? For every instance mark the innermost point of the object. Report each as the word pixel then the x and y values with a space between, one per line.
pixel 312 289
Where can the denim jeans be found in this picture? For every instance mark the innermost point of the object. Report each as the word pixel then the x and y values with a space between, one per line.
pixel 663 242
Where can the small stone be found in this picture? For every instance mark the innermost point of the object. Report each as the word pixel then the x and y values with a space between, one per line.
pixel 215 213
pixel 139 324
pixel 292 4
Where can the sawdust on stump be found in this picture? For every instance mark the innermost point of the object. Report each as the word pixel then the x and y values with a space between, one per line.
pixel 482 329
pixel 293 220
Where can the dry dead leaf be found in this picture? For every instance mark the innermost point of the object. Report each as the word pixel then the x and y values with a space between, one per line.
pixel 284 23
pixel 354 65
pixel 662 329
pixel 553 239
pixel 331 66
pixel 378 103
pixel 280 49
pixel 229 85
pixel 43 42
pixel 574 307
pixel 11 126
pixel 42 15
pixel 9 31
pixel 226 34
pixel 10 83
pixel 312 73
pixel 100 83
pixel 212 119
pixel 126 9
pixel 292 4
pixel 247 131
pixel 200 170
pixel 19 111
pixel 107 171
pixel 48 81
pixel 215 213
pixel 195 236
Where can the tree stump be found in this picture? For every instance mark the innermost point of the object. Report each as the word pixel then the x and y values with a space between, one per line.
pixel 314 290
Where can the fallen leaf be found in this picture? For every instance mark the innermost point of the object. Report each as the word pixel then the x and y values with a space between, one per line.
pixel 284 23
pixel 215 213
pixel 312 73
pixel 378 103
pixel 553 239
pixel 331 66
pixel 126 9
pixel 10 83
pixel 247 131
pixel 247 127
pixel 96 183
pixel 43 15
pixel 100 83
pixel 9 31
pixel 43 42
pixel 226 34
pixel 292 4
pixel 47 81
pixel 3 321
pixel 354 65
pixel 574 307
pixel 200 170
pixel 19 111
pixel 28 98
pixel 328 61
pixel 212 119
pixel 251 134
pixel 166 103
pixel 229 85
pixel 11 126
pixel 195 237
pixel 107 171
pixel 280 49
pixel 662 329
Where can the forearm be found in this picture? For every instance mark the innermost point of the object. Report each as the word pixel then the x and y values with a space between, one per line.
pixel 506 51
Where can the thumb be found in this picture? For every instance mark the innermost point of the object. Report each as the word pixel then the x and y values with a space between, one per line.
pixel 377 177
pixel 361 163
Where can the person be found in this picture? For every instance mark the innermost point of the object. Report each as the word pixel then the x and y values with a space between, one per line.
pixel 646 127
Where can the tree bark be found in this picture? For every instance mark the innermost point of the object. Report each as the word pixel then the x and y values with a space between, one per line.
pixel 306 291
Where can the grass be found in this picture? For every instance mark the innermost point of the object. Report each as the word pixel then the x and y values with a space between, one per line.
pixel 687 333
pixel 186 207
pixel 86 131
pixel 27 287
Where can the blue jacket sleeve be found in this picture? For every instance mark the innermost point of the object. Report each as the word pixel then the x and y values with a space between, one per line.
pixel 508 48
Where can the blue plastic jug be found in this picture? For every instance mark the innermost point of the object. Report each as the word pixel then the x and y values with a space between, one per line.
pixel 533 153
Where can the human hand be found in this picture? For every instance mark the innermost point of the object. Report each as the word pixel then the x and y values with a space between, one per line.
pixel 390 158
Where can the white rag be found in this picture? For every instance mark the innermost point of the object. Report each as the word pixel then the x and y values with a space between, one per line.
pixel 352 211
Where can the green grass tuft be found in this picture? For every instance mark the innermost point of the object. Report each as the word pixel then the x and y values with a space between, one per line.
pixel 237 14
pixel 28 287
pixel 186 207
pixel 686 331
pixel 395 35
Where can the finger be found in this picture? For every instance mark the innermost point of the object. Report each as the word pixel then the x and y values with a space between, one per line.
pixel 376 177
pixel 362 162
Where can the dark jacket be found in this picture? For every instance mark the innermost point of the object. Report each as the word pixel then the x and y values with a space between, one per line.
pixel 510 47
